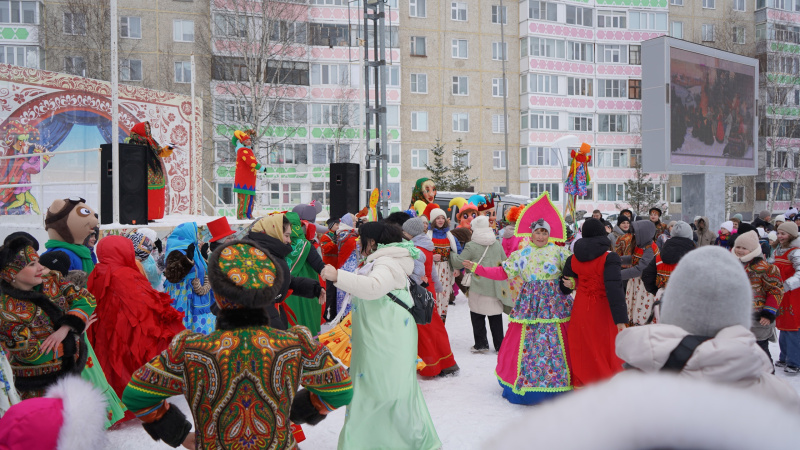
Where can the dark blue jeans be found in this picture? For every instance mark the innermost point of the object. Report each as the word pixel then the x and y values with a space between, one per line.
pixel 789 342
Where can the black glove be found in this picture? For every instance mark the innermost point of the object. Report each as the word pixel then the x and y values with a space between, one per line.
pixel 204 250
pixel 158 245
pixel 172 428
pixel 190 252
pixel 303 411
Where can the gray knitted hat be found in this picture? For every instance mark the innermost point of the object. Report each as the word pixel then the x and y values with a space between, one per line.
pixel 707 292
pixel 414 226
pixel 682 229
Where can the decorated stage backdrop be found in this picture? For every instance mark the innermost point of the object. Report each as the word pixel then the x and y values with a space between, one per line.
pixel 54 116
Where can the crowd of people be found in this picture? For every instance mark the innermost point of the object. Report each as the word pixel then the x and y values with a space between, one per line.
pixel 272 327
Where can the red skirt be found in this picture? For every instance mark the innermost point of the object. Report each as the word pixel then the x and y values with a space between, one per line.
pixel 592 336
pixel 156 202
pixel 433 347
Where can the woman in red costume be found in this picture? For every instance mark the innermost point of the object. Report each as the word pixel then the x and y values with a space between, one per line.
pixel 156 178
pixel 135 322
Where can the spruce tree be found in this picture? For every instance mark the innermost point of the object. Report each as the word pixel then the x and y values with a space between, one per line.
pixel 641 193
pixel 460 180
pixel 439 171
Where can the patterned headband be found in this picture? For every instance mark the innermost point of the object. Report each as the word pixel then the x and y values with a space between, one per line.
pixel 142 245
pixel 247 267
pixel 20 260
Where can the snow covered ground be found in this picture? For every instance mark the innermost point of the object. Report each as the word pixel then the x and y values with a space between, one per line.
pixel 467 408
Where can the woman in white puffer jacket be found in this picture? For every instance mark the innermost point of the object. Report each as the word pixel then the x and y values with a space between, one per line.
pixel 708 297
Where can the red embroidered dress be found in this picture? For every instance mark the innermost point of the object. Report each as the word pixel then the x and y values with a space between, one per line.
pixel 789 309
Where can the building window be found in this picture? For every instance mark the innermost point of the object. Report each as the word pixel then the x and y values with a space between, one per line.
pixel 539 156
pixel 291 193
pixel 458 11
pixel 288 153
pixel 553 188
pixel 74 23
pixel 130 27
pixel 539 120
pixel 19 12
pixel 580 86
pixel 393 115
pixel 499 87
pixel 640 20
pixel 320 191
pixel 611 157
pixel 500 51
pixel 580 51
pixel 460 85
pixel 419 121
pixel 708 32
pixel 677 30
pixel 739 35
pixel 542 11
pixel 419 158
pixel 335 114
pixel 330 74
pixel 613 123
pixel 418 46
pixel 580 122
pixel 463 160
pixel 287 72
pixel 738 5
pixel 460 122
pixel 24 56
pixel 394 154
pixel 709 4
pixel 782 191
pixel 612 19
pixel 74 65
pixel 540 84
pixel 323 153
pixel 235 26
pixel 130 70
pixel 635 54
pixel 392 76
pixel 224 152
pixel 226 110
pixel 612 88
pixel 498 123
pixel 608 53
pixel 183 30
pixel 610 192
pixel 676 2
pixel 675 194
pixel 499 14
pixel 460 48
pixel 417 8
pixel 224 194
pixel 737 194
pixel 498 159
pixel 289 112
pixel 183 72
pixel 543 47
pixel 577 15
pixel 419 83
pixel 635 89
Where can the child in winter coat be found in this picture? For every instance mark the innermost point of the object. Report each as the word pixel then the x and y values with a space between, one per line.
pixel 639 301
pixel 787 259
pixel 726 235
pixel 705 329
pixel 445 245
pixel 484 293
pixel 765 279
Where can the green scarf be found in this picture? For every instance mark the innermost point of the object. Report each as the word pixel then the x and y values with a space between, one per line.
pixel 413 251
pixel 81 251
pixel 300 247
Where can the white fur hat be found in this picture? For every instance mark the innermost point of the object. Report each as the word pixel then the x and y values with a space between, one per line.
pixel 479 222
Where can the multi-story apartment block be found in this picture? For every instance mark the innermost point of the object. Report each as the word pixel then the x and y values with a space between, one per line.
pixel 580 75
pixel 19 33
pixel 777 33
pixel 453 88
pixel 726 25
pixel 317 116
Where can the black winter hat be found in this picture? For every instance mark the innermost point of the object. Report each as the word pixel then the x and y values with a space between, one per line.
pixel 622 219
pixel 593 227
pixel 56 260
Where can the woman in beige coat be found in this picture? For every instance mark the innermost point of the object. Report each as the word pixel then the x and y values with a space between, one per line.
pixel 484 294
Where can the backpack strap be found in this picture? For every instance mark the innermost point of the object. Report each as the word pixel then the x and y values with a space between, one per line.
pixel 680 356
pixel 398 301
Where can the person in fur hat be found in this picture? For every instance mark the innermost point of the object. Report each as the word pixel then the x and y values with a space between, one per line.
pixel 598 311
pixel 705 330
pixel 639 301
pixel 445 245
pixel 69 416
pixel 244 182
pixel 787 259
pixel 485 294
pixel 241 381
pixel 727 234
pixel 765 279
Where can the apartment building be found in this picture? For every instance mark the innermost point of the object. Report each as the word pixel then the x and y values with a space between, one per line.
pixel 452 87
pixel 726 25
pixel 19 33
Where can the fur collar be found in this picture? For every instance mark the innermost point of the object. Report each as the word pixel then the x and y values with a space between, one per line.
pixel 35 297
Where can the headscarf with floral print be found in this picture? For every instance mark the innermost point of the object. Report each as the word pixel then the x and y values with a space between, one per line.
pixel 247 267
pixel 18 261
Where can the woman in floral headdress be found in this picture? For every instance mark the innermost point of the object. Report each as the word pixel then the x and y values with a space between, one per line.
pixel 156 178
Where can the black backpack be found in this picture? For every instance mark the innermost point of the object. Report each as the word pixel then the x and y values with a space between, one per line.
pixel 422 308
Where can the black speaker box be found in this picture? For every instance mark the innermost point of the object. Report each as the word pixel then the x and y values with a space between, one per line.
pixel 132 185
pixel 345 182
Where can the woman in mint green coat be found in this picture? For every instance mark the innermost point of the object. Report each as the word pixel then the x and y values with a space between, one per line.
pixel 388 409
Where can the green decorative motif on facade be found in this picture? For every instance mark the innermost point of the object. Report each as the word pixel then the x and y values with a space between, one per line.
pixel 226 171
pixel 348 133
pixel 226 212
pixel 649 3
pixel 291 132
pixel 14 33
pixel 783 111
pixel 394 172
pixel 320 172
pixel 784 47
pixel 783 78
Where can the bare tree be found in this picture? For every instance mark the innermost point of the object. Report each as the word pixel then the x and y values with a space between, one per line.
pixel 344 117
pixel 76 34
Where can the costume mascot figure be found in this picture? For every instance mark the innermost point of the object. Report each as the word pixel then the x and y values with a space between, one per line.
pixel 244 183
pixel 156 175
